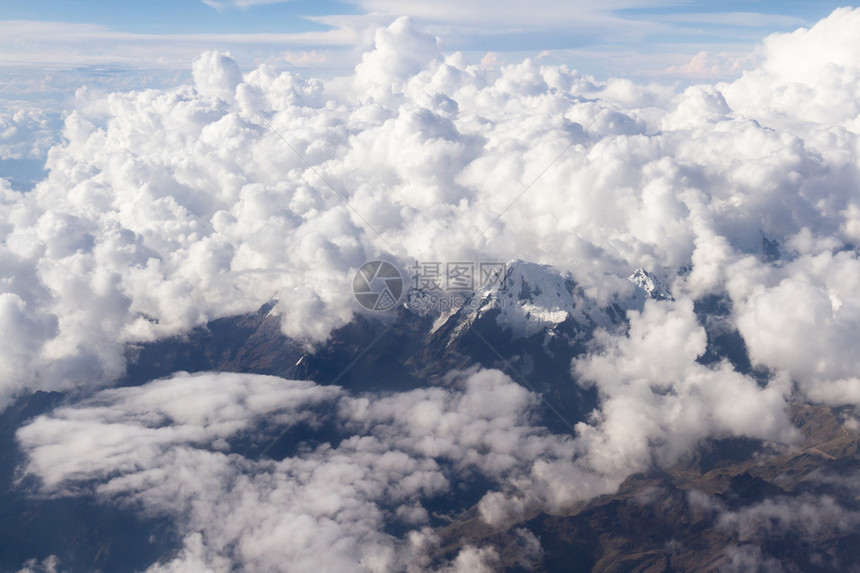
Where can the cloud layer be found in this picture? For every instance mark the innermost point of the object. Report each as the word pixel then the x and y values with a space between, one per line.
pixel 167 208
pixel 187 448
pixel 165 447
pixel 164 209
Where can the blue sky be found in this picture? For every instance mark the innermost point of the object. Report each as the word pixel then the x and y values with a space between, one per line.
pixel 49 46
pixel 179 16
pixel 248 16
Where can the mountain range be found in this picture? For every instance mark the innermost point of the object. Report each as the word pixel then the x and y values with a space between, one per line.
pixel 735 504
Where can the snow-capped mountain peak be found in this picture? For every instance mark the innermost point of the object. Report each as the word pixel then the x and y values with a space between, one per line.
pixel 648 282
pixel 530 299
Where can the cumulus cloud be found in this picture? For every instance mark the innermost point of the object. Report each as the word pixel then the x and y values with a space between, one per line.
pixel 26 132
pixel 777 308
pixel 658 402
pixel 810 516
pixel 169 448
pixel 806 76
pixel 216 75
pixel 400 51
pixel 167 208
pixel 50 564
pixel 758 530
pixel 165 447
pixel 140 423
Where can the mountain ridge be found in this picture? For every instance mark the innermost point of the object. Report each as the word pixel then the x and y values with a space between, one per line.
pixel 531 326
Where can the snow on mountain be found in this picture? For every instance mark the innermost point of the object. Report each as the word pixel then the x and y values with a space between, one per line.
pixel 652 286
pixel 531 299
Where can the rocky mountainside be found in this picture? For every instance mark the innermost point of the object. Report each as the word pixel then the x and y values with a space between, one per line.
pixel 715 511
pixel 530 324
pixel 737 505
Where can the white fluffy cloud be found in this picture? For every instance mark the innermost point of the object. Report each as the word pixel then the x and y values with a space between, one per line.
pixel 758 529
pixel 27 132
pixel 165 447
pixel 166 208
pixel 658 403
pixel 808 76
pixel 803 318
pixel 216 75
pixel 178 448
